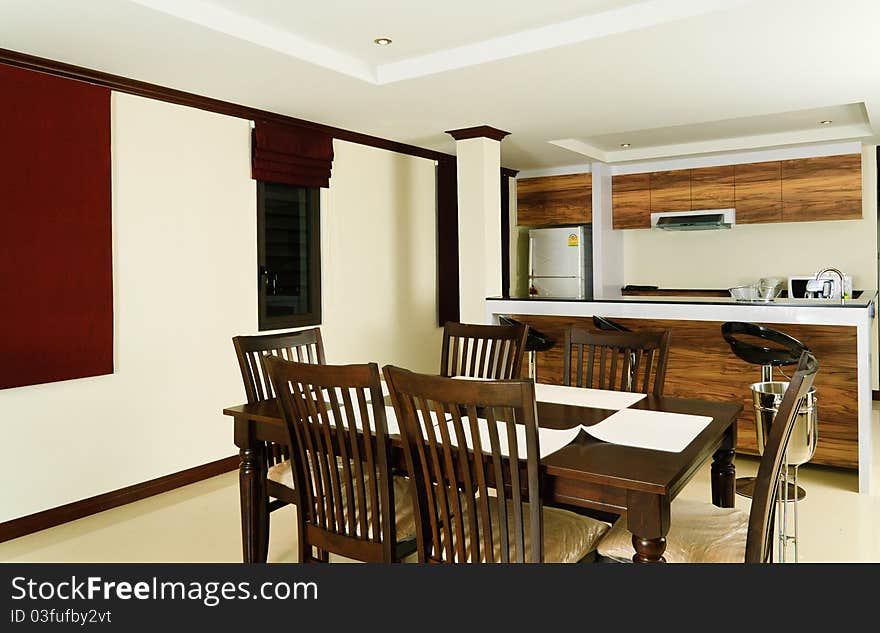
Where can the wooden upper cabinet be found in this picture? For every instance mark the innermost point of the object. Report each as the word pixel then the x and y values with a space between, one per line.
pixel 554 200
pixel 822 188
pixel 758 192
pixel 712 187
pixel 631 201
pixel 671 190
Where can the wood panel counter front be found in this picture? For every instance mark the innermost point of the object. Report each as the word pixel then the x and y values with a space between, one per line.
pixel 701 365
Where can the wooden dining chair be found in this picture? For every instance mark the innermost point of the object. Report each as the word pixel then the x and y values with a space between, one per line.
pixel 479 505
pixel 483 351
pixel 304 346
pixel 348 502
pixel 620 361
pixel 703 533
pixel 252 351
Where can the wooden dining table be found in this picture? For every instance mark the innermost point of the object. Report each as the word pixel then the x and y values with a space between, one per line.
pixel 587 473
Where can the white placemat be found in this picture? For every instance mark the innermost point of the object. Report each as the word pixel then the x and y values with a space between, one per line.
pixel 390 417
pixel 549 440
pixel 581 397
pixel 657 430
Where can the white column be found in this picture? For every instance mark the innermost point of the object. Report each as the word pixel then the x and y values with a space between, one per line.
pixel 607 243
pixel 479 225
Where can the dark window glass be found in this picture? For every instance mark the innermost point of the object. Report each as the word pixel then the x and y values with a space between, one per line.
pixel 289 252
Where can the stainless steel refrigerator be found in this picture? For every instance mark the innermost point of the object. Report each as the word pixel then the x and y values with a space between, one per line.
pixel 561 262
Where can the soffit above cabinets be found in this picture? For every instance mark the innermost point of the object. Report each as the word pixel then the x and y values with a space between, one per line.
pixel 815 125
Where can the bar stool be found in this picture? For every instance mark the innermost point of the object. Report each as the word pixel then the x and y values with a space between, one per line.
pixel 611 326
pixel 608 325
pixel 766 397
pixel 536 341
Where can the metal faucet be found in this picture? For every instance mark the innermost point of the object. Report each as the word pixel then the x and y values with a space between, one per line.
pixel 839 275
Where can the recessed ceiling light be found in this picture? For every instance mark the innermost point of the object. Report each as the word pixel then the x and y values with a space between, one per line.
pixel 382 41
pixel 826 122
pixel 625 145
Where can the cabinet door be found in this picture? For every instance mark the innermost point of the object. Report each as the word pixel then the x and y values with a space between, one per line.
pixel 712 188
pixel 822 188
pixel 671 190
pixel 554 200
pixel 758 192
pixel 631 201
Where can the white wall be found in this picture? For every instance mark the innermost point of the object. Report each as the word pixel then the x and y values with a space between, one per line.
pixel 379 259
pixel 184 249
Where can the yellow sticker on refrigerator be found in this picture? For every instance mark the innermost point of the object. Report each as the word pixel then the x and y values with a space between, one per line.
pixel 572 239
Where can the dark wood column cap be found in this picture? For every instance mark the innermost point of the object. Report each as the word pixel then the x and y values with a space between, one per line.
pixel 486 131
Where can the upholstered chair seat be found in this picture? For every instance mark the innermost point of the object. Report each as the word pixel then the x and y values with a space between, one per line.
pixel 405 524
pixel 568 537
pixel 699 533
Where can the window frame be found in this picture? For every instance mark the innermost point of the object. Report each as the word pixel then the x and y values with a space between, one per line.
pixel 313 316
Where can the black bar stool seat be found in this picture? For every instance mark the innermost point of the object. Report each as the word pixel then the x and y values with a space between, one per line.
pixel 608 325
pixel 536 341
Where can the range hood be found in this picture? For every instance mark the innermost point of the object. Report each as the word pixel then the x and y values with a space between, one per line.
pixel 702 220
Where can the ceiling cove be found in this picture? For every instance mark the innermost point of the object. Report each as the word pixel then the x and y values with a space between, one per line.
pixel 264 31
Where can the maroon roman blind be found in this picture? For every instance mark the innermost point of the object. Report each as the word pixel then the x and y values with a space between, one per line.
pixel 291 155
pixel 56 269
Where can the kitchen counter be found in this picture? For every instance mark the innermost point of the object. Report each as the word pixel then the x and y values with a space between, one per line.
pixel 866 299
pixel 701 364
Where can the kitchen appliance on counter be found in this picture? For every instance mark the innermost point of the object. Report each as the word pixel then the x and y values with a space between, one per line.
pixel 825 285
pixel 561 262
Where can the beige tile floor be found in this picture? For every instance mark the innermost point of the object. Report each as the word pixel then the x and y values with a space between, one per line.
pixel 200 523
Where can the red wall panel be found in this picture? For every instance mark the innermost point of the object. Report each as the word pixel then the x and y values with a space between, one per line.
pixel 56 281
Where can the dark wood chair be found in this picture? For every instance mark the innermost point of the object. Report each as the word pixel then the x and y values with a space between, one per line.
pixel 348 502
pixel 252 351
pixel 479 505
pixel 483 351
pixel 620 361
pixel 703 533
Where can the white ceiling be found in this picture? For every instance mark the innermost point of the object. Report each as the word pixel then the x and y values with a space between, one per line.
pixel 569 79
pixel 417 28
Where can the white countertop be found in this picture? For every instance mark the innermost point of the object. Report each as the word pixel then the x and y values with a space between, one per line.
pixel 863 301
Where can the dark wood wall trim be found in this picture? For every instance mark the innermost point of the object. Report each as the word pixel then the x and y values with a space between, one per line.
pixel 510 173
pixel 505 235
pixel 875 395
pixel 179 97
pixel 448 308
pixel 479 131
pixel 85 507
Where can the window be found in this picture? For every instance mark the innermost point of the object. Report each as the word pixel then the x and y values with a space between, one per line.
pixel 289 255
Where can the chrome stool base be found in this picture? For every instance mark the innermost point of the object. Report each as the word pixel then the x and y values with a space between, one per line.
pixel 745 487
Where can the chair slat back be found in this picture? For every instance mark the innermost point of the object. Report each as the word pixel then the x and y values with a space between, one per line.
pixel 471 504
pixel 338 436
pixel 760 538
pixel 619 361
pixel 483 351
pixel 304 346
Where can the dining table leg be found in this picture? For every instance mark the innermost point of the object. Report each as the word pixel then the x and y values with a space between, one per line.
pixel 724 470
pixel 647 518
pixel 252 496
pixel 723 478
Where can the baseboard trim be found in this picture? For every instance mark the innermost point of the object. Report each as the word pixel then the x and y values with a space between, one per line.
pixel 86 507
